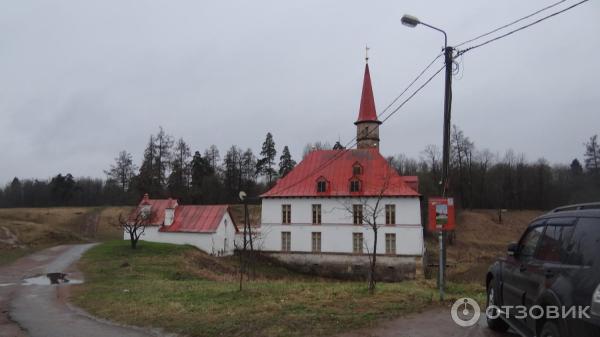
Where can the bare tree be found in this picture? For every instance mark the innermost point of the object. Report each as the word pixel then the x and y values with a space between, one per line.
pixel 135 224
pixel 369 210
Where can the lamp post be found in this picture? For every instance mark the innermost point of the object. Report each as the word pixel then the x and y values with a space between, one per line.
pixel 411 21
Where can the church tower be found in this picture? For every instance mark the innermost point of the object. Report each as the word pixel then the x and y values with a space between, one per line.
pixel 367 124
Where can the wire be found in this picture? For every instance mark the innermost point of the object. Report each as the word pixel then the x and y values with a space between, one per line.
pixel 520 28
pixel 354 141
pixel 511 23
pixel 410 85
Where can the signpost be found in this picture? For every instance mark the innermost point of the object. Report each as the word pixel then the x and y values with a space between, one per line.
pixel 441 220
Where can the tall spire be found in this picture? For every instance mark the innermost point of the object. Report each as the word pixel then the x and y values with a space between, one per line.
pixel 367 124
pixel 367 112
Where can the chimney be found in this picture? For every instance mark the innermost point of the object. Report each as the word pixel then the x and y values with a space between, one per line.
pixel 146 205
pixel 170 212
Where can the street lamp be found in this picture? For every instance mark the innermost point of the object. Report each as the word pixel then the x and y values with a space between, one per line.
pixel 412 21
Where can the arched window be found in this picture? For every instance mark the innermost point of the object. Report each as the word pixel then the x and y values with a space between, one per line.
pixel 321 185
pixel 355 185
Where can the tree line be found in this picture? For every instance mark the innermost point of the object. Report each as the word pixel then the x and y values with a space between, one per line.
pixel 168 169
pixel 479 178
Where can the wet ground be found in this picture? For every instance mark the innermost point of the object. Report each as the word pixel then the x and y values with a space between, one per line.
pixel 435 322
pixel 33 298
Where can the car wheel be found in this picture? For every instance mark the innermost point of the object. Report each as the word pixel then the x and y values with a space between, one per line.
pixel 497 324
pixel 550 329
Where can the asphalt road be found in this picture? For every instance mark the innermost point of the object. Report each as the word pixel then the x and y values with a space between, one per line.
pixel 435 322
pixel 39 309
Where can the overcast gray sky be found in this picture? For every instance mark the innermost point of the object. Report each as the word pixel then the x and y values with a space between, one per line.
pixel 82 80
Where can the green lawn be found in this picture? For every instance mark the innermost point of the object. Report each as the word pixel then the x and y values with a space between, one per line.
pixel 182 290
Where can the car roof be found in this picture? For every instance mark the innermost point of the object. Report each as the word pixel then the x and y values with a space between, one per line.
pixel 591 210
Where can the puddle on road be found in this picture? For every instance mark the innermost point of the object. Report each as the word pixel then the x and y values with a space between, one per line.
pixel 50 279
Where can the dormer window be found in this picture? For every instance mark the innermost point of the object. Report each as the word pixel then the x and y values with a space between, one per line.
pixel 357 169
pixel 321 185
pixel 354 185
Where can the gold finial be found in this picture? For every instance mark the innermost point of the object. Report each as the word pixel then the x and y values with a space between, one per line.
pixel 367 53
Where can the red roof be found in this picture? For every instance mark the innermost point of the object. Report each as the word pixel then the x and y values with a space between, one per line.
pixel 367 112
pixel 157 207
pixel 197 219
pixel 336 168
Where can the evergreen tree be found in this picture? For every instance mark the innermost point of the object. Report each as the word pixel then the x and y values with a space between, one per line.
pixel 576 168
pixel 232 172
pixel 267 161
pixel 286 163
pixel 201 172
pixel 179 179
pixel 146 181
pixel 592 155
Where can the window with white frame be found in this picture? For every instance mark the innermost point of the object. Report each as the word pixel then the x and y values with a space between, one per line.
pixel 316 242
pixel 316 214
pixel 390 243
pixel 286 213
pixel 357 214
pixel 286 241
pixel 390 214
pixel 357 243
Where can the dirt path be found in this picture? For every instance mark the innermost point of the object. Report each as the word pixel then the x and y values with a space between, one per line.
pixel 435 322
pixel 40 308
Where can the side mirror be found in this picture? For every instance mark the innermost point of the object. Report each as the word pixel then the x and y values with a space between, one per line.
pixel 513 249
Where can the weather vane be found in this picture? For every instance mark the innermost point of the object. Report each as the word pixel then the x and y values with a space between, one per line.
pixel 367 53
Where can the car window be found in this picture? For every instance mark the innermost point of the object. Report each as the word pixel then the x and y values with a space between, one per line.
pixel 554 243
pixel 529 241
pixel 584 247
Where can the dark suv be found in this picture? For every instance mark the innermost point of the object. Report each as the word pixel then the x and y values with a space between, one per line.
pixel 555 264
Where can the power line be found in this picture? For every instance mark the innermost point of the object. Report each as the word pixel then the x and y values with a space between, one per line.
pixel 520 28
pixel 511 23
pixel 354 141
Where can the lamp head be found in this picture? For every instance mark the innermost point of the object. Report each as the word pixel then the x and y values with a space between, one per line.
pixel 410 21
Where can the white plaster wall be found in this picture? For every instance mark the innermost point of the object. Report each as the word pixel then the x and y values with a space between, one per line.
pixel 339 210
pixel 338 238
pixel 211 243
pixel 337 228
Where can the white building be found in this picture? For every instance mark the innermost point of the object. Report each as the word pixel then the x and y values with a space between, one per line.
pixel 211 228
pixel 320 215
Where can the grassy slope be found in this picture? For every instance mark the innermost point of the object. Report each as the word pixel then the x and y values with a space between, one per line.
pixel 480 239
pixel 183 290
pixel 24 230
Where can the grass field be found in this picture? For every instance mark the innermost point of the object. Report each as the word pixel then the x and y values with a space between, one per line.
pixel 480 239
pixel 25 230
pixel 183 290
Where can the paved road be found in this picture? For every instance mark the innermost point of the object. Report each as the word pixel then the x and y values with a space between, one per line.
pixel 435 322
pixel 41 310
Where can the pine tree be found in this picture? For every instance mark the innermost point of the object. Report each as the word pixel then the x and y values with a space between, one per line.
pixel 592 155
pixel 576 168
pixel 286 163
pixel 267 161
pixel 179 179
pixel 146 182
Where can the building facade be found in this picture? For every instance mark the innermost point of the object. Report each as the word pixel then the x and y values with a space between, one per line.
pixel 320 216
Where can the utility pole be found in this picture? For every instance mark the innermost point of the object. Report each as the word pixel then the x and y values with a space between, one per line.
pixel 411 21
pixel 446 159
